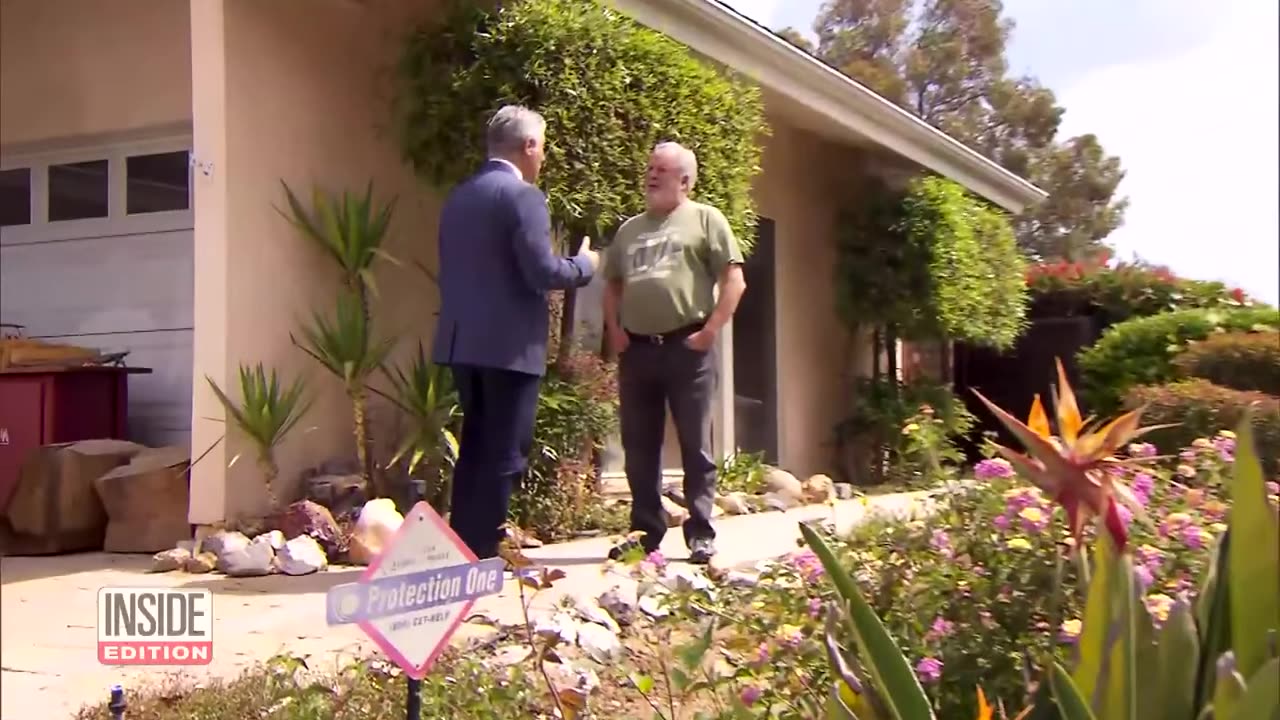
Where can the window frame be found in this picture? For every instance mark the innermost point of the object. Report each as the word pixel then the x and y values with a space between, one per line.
pixel 117 221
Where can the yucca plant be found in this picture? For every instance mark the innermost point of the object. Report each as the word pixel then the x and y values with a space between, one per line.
pixel 424 392
pixel 346 347
pixel 265 414
pixel 349 229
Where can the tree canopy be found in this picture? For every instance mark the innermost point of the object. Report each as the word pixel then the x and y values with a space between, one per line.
pixel 609 88
pixel 944 60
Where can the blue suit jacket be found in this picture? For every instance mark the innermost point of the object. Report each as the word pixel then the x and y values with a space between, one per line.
pixel 496 267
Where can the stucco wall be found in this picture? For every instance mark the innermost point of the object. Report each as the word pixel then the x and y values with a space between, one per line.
pixel 805 180
pixel 87 67
pixel 303 92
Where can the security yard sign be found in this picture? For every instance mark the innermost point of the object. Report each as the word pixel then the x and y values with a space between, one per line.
pixel 414 595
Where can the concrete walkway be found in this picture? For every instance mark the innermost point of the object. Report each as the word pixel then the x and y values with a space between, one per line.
pixel 48 607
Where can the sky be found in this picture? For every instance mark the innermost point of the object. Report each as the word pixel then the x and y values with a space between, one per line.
pixel 1186 96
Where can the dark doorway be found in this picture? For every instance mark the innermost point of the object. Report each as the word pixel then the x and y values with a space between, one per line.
pixel 754 352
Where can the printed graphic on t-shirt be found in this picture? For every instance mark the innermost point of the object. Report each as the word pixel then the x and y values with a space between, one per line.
pixel 653 255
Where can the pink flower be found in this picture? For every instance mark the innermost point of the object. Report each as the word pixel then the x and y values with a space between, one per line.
pixel 763 654
pixel 1001 522
pixel 656 559
pixel 1273 487
pixel 941 627
pixel 929 670
pixel 1126 515
pixel 1142 450
pixel 750 695
pixel 808 564
pixel 993 468
pixel 1195 537
pixel 815 607
pixel 1143 575
pixel 940 542
pixel 1142 485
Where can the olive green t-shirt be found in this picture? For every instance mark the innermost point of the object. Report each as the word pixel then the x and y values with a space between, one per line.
pixel 669 266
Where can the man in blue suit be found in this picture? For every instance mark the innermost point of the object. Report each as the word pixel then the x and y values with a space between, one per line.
pixel 496 268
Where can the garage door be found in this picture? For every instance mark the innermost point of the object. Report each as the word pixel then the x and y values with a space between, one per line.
pixel 96 250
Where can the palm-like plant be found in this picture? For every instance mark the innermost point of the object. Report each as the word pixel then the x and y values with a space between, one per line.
pixel 425 393
pixel 265 414
pixel 349 229
pixel 346 347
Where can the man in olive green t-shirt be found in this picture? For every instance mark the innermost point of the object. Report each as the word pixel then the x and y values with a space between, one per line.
pixel 662 316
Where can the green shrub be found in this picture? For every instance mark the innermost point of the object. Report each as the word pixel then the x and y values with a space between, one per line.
pixel 882 409
pixel 1243 361
pixel 1141 351
pixel 577 412
pixel 1197 408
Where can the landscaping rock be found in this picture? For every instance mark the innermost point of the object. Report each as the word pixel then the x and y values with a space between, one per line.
pixel 593 613
pixel 819 489
pixel 561 626
pixel 510 655
pixel 783 484
pixel 341 493
pixel 675 514
pixel 619 606
pixel 379 520
pixel 779 501
pixel 655 606
pixel 600 643
pixel 169 560
pixel 308 518
pixel 687 579
pixel 223 542
pixel 735 503
pixel 275 539
pixel 146 501
pixel 742 579
pixel 253 560
pixel 301 556
pixel 54 507
pixel 844 491
pixel 201 563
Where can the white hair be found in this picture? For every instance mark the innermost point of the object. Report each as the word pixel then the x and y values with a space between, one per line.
pixel 685 157
pixel 511 127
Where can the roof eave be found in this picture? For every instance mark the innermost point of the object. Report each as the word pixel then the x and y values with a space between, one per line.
pixel 718 32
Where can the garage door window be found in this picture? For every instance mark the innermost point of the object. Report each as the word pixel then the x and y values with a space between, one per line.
pixel 15 197
pixel 158 182
pixel 79 191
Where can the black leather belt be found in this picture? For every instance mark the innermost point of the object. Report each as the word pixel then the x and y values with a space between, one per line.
pixel 659 339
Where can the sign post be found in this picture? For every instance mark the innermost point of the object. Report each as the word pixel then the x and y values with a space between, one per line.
pixel 414 595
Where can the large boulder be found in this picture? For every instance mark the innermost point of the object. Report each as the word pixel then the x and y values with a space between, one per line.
pixel 315 521
pixel 54 507
pixel 146 501
pixel 301 556
pixel 784 485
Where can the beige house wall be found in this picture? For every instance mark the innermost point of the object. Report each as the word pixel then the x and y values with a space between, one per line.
pixel 74 68
pixel 303 91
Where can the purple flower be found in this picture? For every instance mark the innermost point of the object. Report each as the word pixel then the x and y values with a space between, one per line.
pixel 993 468
pixel 762 654
pixel 1143 484
pixel 1001 522
pixel 1125 515
pixel 657 559
pixel 1142 450
pixel 940 542
pixel 941 627
pixel 1195 536
pixel 750 695
pixel 1143 575
pixel 1150 556
pixel 815 607
pixel 808 564
pixel 929 670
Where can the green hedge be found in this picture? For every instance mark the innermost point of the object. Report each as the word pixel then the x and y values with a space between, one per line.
pixel 1243 361
pixel 1141 351
pixel 1199 409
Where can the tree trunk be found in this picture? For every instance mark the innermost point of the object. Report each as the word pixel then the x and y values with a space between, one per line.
pixel 359 409
pixel 567 329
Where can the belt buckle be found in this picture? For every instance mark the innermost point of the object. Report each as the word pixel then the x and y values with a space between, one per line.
pixel 657 339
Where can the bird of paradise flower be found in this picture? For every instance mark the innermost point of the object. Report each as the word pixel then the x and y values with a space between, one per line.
pixel 1078 466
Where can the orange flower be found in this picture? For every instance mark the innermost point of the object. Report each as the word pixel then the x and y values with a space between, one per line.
pixel 1072 467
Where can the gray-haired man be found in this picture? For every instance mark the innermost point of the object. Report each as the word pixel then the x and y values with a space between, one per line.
pixel 662 317
pixel 496 267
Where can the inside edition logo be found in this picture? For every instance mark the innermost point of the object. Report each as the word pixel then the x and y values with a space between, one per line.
pixel 155 626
